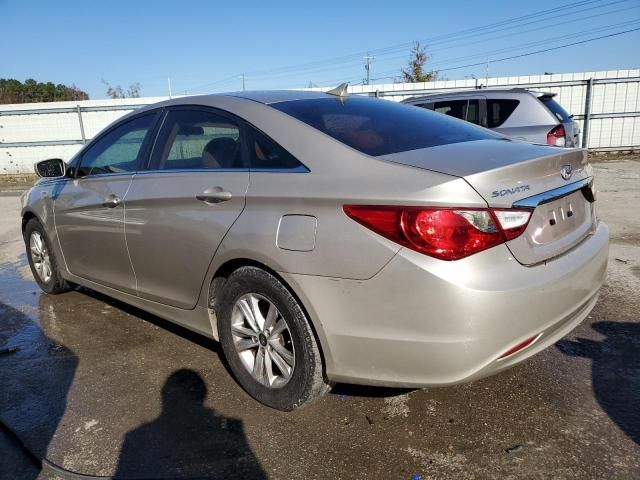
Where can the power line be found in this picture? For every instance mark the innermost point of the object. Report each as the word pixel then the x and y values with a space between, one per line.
pixel 340 65
pixel 217 82
pixel 486 54
pixel 547 49
pixel 454 36
pixel 445 38
pixel 436 51
pixel 510 24
pixel 535 52
pixel 520 32
pixel 430 40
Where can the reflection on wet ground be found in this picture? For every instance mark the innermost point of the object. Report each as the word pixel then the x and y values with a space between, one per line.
pixel 102 388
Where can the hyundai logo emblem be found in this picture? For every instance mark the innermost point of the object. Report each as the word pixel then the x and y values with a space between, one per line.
pixel 566 171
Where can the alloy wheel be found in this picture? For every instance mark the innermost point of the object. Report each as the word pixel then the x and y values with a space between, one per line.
pixel 262 340
pixel 40 256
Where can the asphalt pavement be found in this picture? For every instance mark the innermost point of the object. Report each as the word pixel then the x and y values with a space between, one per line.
pixel 101 388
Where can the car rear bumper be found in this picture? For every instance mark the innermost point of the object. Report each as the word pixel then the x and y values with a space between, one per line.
pixel 424 322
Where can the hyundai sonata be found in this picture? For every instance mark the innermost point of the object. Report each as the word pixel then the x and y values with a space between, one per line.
pixel 326 238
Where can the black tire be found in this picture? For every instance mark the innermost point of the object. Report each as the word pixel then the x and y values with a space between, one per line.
pixel 55 284
pixel 307 381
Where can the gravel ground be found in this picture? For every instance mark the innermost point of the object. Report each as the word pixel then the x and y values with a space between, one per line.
pixel 101 388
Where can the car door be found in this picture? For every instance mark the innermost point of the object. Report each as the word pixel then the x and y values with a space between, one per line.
pixel 89 208
pixel 180 208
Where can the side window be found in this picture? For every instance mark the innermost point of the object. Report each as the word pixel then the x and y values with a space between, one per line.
pixel 264 153
pixel 197 139
pixel 118 150
pixel 463 109
pixel 499 110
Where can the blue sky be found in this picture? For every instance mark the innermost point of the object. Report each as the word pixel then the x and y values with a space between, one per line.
pixel 204 46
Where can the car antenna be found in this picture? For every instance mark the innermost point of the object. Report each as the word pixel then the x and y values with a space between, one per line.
pixel 340 90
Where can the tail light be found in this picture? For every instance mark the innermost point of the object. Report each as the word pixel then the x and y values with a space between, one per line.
pixel 556 136
pixel 444 233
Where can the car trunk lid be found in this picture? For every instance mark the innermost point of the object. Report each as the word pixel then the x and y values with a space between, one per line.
pixel 552 182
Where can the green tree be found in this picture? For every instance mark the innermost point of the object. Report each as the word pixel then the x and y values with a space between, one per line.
pixel 14 91
pixel 415 71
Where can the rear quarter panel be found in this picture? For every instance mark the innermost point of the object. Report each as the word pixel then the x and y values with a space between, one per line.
pixel 338 175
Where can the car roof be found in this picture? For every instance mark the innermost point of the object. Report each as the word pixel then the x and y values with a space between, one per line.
pixel 489 92
pixel 265 97
pixel 230 100
pixel 276 96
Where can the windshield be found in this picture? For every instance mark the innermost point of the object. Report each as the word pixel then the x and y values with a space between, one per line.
pixel 381 127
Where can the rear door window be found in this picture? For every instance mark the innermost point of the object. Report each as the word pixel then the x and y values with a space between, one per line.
pixel 380 127
pixel 193 139
pixel 555 108
pixel 463 109
pixel 498 110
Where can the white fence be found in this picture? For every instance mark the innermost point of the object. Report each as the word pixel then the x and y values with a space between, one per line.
pixel 607 104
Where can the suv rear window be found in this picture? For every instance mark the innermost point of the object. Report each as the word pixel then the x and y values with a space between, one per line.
pixel 499 110
pixel 380 127
pixel 559 112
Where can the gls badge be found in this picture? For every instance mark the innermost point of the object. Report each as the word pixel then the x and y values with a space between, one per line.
pixel 566 171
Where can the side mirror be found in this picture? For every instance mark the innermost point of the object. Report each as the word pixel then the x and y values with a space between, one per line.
pixel 52 168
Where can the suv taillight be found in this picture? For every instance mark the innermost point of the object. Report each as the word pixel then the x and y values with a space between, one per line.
pixel 556 136
pixel 444 233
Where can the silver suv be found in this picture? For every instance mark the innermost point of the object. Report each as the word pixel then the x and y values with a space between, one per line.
pixel 518 113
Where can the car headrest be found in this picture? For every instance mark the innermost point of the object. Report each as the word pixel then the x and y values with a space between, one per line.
pixel 220 153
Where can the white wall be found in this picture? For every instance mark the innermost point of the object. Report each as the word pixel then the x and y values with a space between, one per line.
pixel 62 130
pixel 58 128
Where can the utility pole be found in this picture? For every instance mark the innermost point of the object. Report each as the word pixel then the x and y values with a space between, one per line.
pixel 169 83
pixel 486 73
pixel 244 77
pixel 367 67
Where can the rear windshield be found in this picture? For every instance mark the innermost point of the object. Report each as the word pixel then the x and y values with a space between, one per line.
pixel 559 112
pixel 381 127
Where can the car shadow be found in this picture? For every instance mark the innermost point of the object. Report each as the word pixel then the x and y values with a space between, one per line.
pixel 340 389
pixel 368 391
pixel 615 371
pixel 174 328
pixel 187 439
pixel 36 374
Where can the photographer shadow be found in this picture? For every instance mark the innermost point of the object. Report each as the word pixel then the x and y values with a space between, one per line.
pixel 615 371
pixel 188 439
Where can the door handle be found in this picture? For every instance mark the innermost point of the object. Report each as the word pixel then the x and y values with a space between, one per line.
pixel 214 195
pixel 112 201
